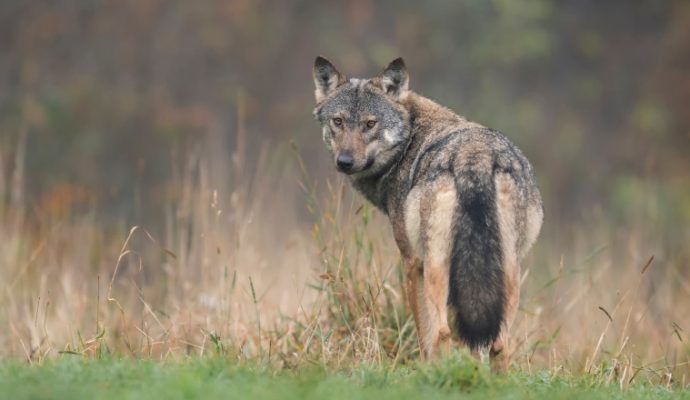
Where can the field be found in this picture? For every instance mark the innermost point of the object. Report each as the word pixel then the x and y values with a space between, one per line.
pixel 172 226
pixel 186 316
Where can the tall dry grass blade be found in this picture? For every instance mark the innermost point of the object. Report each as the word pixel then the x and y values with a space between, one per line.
pixel 677 330
pixel 593 357
pixel 644 269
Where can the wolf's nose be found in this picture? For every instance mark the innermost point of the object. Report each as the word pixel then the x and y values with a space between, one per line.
pixel 345 161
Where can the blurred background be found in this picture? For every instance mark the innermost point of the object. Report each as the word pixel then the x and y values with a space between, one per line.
pixel 102 96
pixel 193 120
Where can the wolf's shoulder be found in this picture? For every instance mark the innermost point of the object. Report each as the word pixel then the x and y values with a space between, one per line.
pixel 466 145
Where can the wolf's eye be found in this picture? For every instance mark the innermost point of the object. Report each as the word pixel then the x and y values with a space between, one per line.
pixel 371 124
pixel 337 121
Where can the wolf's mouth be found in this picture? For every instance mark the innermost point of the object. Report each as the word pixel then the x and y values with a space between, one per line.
pixel 370 162
pixel 354 169
pixel 345 171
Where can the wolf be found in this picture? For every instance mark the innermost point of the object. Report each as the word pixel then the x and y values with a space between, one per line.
pixel 461 198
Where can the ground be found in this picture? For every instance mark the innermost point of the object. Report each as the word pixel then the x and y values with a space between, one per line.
pixel 210 378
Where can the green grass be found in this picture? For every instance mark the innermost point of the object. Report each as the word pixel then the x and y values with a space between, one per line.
pixel 208 378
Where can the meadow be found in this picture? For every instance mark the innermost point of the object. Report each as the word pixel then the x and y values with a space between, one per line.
pixel 210 305
pixel 172 226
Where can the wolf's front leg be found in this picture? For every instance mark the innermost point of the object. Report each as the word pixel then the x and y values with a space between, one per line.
pixel 414 291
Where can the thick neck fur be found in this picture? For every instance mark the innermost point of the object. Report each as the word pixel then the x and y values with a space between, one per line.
pixel 424 114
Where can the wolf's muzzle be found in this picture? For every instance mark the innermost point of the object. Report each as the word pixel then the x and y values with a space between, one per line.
pixel 345 162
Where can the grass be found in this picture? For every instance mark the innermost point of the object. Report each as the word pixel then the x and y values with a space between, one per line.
pixel 217 378
pixel 238 295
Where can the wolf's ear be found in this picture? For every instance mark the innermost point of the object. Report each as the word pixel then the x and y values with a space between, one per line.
pixel 326 78
pixel 395 80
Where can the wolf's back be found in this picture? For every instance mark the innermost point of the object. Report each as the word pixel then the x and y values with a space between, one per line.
pixel 476 287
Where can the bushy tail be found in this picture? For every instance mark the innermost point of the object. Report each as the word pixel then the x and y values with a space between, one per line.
pixel 476 292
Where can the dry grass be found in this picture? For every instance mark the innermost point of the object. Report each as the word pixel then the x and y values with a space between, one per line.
pixel 239 274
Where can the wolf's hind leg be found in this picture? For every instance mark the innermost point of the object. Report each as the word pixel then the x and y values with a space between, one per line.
pixel 508 212
pixel 438 210
pixel 437 337
pixel 501 350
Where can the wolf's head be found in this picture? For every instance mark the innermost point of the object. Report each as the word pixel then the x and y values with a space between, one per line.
pixel 364 122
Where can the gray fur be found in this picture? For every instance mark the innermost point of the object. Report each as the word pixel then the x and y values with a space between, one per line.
pixel 417 141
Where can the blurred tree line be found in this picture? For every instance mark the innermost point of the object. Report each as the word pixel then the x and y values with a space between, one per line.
pixel 104 99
